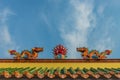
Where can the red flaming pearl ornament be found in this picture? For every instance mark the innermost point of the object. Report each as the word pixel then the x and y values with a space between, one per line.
pixel 60 49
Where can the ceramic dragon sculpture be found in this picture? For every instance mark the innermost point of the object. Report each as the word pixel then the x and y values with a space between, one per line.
pixel 94 54
pixel 26 54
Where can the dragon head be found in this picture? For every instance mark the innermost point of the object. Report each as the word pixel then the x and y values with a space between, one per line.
pixel 37 49
pixel 81 49
pixel 108 52
pixel 12 52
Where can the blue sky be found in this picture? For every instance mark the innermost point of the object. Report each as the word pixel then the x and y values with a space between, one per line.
pixel 45 23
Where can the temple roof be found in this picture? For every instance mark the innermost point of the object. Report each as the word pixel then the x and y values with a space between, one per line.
pixel 42 72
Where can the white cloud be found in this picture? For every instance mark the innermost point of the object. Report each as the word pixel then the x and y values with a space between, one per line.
pixel 5 35
pixel 83 21
pixel 4 15
pixel 105 39
pixel 6 41
pixel 77 27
